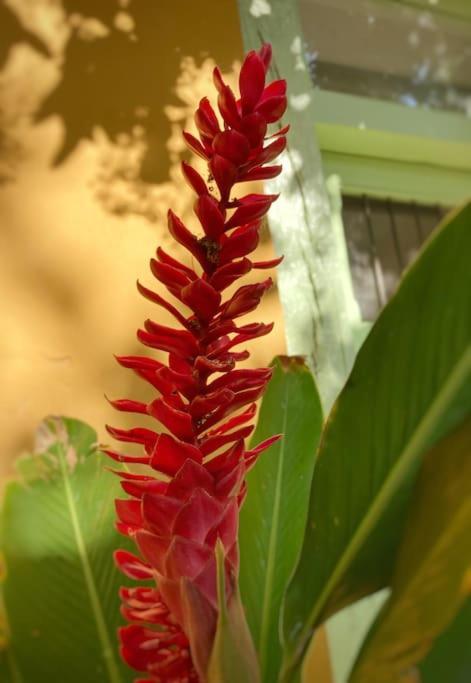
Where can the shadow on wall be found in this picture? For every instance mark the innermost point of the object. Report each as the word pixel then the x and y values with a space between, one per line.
pixel 117 64
pixel 93 97
pixel 121 64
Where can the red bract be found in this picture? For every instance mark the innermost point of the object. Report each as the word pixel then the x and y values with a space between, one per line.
pixel 194 485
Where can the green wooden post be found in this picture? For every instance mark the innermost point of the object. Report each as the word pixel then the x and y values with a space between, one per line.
pixel 321 315
pixel 322 319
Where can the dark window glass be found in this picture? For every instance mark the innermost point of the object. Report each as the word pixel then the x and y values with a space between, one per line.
pixel 396 51
pixel 383 236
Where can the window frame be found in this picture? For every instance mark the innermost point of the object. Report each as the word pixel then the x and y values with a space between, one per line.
pixel 386 149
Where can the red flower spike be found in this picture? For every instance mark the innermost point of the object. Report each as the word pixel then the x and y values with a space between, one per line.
pixel 245 299
pixel 128 406
pixel 242 242
pixel 206 119
pixel 272 108
pixel 265 53
pixel 202 298
pixel 129 514
pixel 267 264
pixel 270 152
pixel 210 216
pixel 165 338
pixel 229 273
pixel 120 457
pixel 163 257
pixel 224 173
pixel 194 180
pixel 138 435
pixel 254 127
pixel 250 208
pixel 251 81
pixel 282 131
pixel 159 512
pixel 132 566
pixel 169 454
pixel 213 443
pixel 173 278
pixel 182 235
pixel 275 89
pixel 193 483
pixel 157 299
pixel 233 146
pixel 195 145
pixel 261 173
pixel 177 422
pixel 228 107
pixel 218 79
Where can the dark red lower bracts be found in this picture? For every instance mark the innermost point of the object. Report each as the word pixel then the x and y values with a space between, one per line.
pixel 154 642
pixel 190 494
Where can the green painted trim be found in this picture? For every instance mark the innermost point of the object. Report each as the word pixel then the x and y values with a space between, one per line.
pixel 359 125
pixel 385 149
pixel 398 180
pixel 385 145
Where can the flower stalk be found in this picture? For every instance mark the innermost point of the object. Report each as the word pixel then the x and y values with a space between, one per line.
pixel 189 499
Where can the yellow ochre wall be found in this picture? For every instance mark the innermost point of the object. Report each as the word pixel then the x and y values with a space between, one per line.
pixel 93 99
pixel 92 104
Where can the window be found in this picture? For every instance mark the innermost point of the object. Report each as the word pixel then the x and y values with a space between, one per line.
pixel 393 51
pixel 392 95
pixel 382 238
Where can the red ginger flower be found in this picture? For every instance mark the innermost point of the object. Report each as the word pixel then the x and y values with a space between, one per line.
pixel 195 486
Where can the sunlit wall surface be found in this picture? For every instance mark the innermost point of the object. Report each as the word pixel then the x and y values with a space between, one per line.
pixel 93 98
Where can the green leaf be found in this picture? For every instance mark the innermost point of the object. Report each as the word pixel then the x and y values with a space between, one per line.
pixel 432 559
pixel 8 670
pixel 450 658
pixel 61 589
pixel 233 658
pixel 274 514
pixel 409 386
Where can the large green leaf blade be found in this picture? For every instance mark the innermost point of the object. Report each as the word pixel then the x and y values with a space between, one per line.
pixel 409 386
pixel 450 658
pixel 274 514
pixel 8 670
pixel 61 589
pixel 431 563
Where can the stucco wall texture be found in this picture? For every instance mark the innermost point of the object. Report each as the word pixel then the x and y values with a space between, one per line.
pixel 93 98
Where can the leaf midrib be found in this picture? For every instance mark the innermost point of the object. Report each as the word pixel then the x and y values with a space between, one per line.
pixel 103 635
pixel 272 545
pixel 413 447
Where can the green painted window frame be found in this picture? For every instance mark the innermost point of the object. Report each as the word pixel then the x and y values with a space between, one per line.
pixel 385 149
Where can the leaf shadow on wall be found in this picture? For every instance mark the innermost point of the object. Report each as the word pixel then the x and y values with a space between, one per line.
pixel 122 79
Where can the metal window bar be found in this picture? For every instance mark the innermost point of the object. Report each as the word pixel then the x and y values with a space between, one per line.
pixel 383 236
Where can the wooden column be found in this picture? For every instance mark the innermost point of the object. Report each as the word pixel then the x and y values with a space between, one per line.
pixel 321 315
